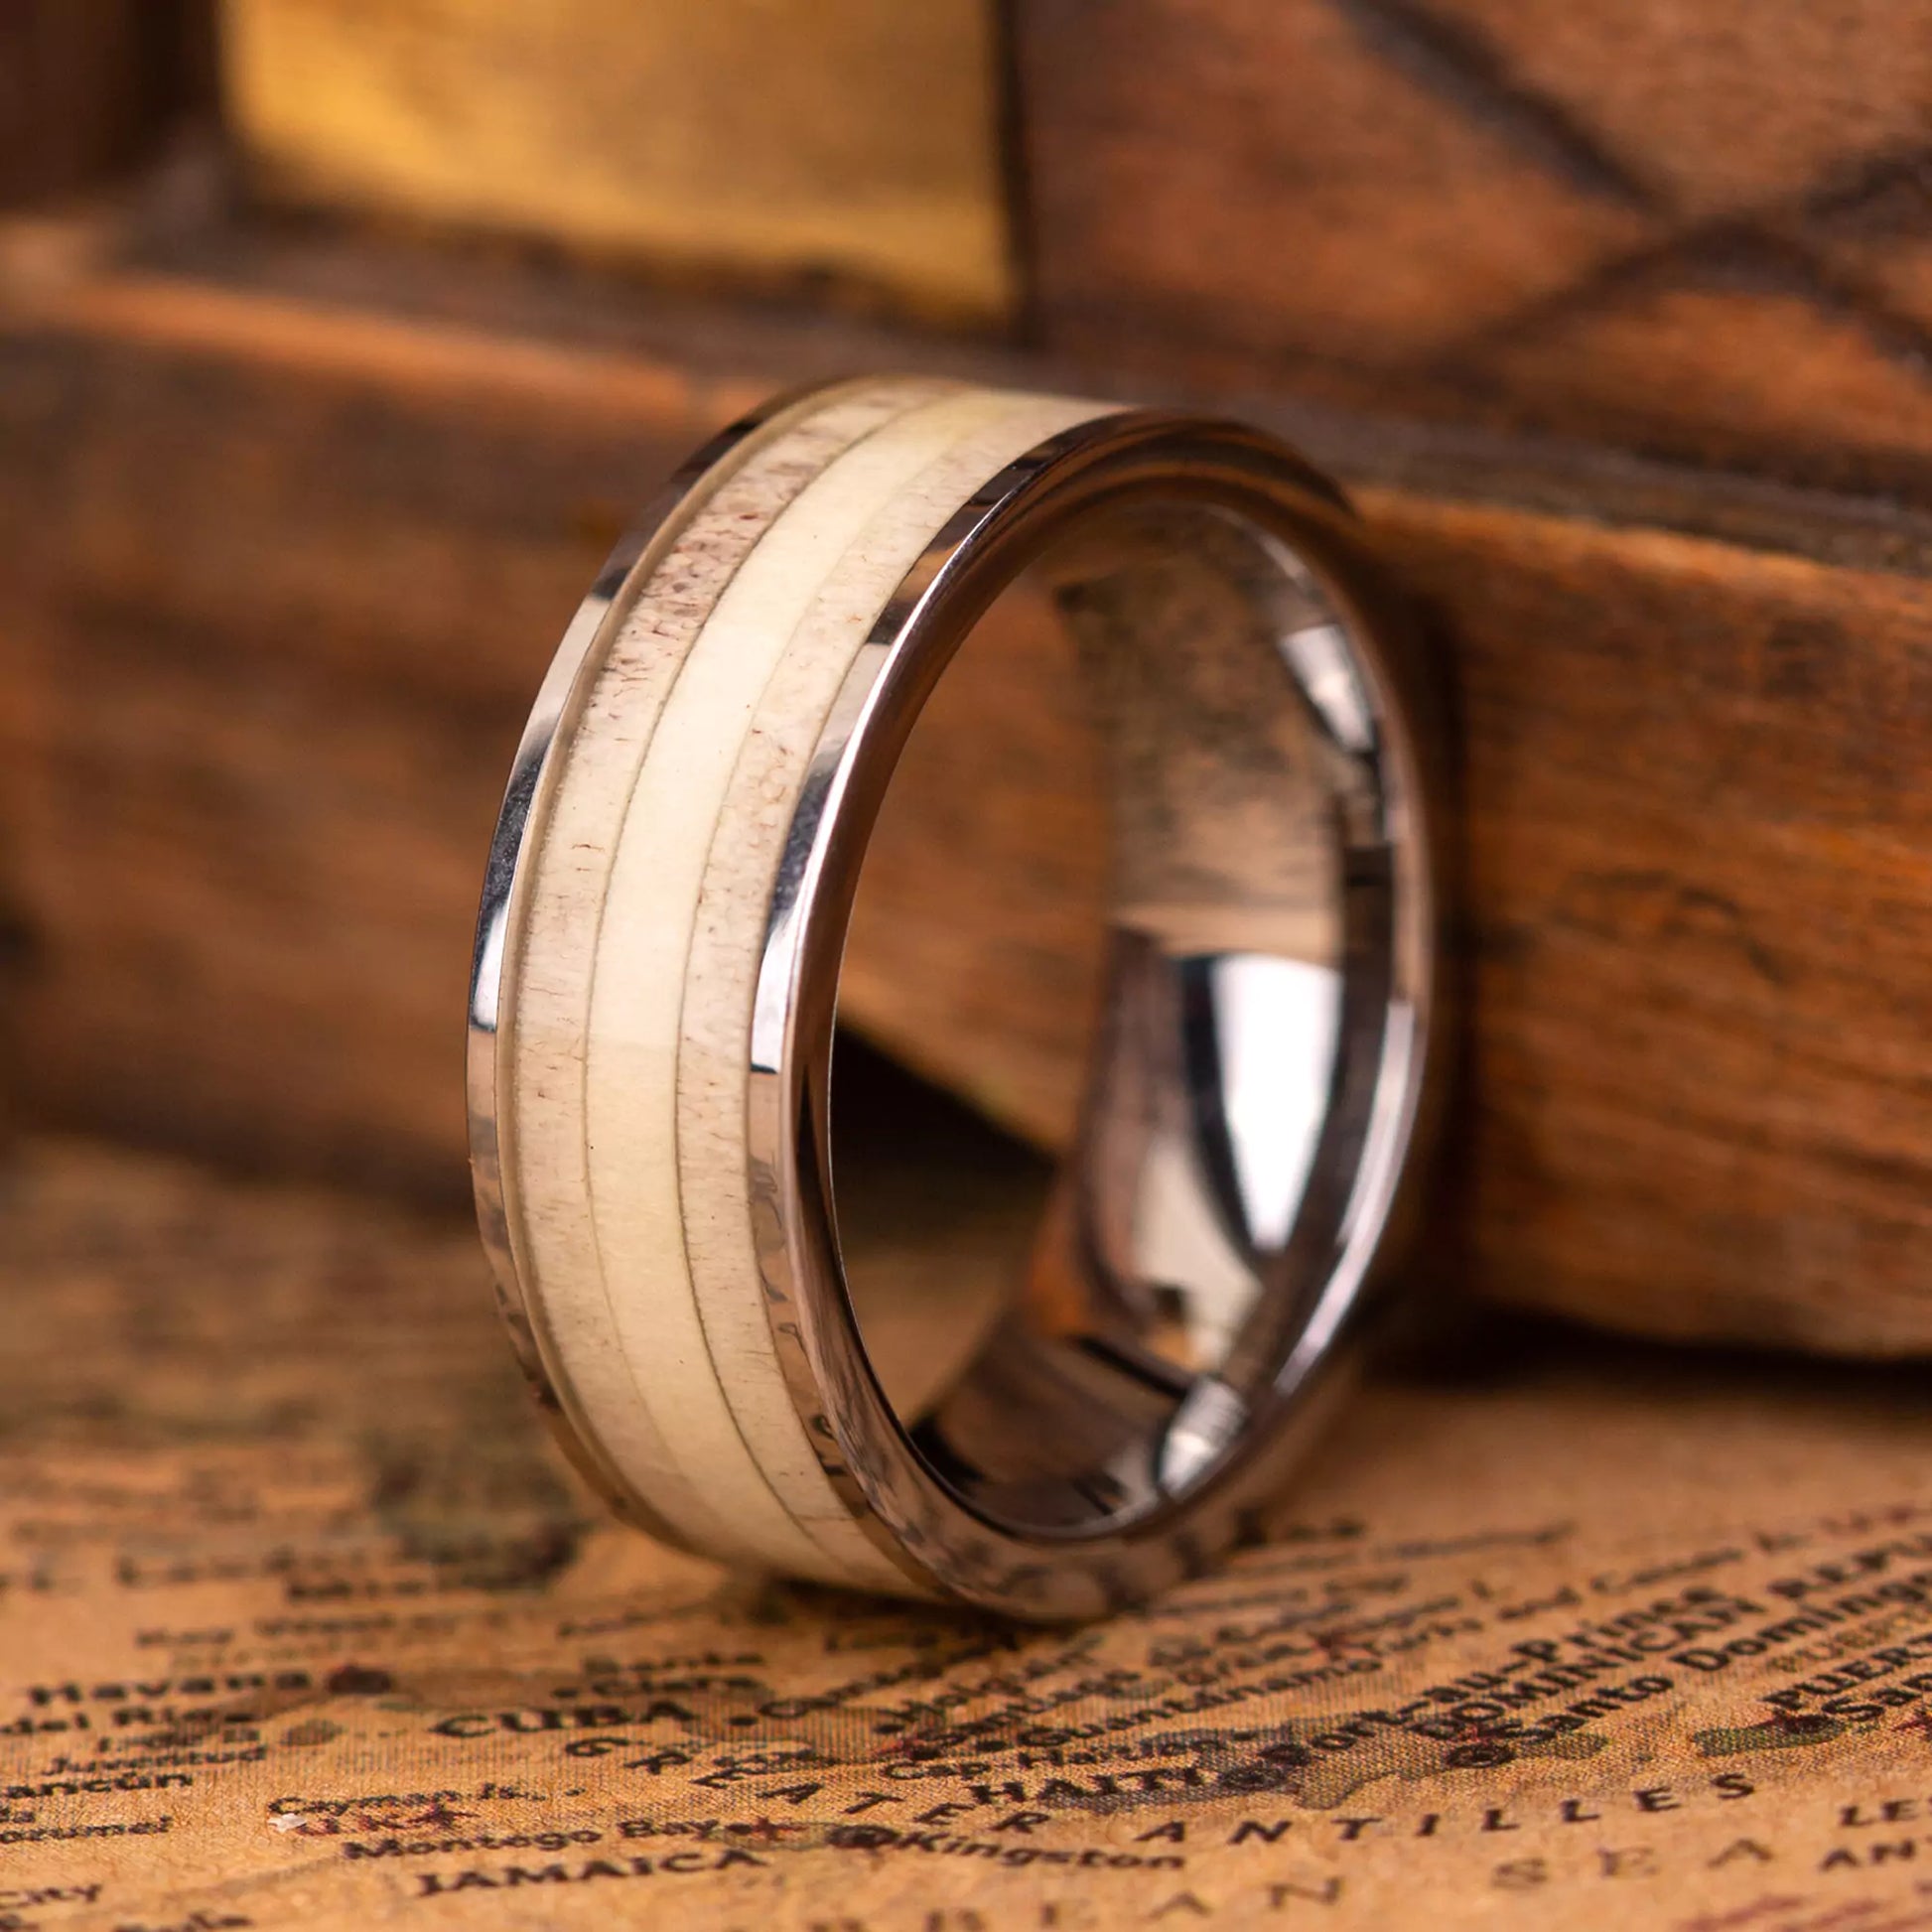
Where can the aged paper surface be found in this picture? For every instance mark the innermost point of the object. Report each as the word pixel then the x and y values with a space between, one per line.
pixel 304 1623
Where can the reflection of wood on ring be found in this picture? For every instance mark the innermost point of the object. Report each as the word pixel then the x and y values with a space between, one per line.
pixel 1131 757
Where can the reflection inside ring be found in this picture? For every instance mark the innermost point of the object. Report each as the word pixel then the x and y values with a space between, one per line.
pixel 1129 895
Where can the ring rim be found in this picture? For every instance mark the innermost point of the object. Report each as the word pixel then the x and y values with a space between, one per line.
pixel 933 1539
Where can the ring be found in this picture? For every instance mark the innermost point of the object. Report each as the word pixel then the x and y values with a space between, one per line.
pixel 656 981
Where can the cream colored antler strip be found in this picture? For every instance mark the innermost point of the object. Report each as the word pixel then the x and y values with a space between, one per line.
pixel 741 873
pixel 551 964
pixel 706 822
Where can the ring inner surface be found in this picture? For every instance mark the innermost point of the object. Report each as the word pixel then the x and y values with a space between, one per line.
pixel 1129 893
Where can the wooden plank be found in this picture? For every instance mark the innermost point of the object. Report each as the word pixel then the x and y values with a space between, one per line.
pixel 854 140
pixel 1698 845
pixel 296 572
pixel 1701 229
pixel 268 702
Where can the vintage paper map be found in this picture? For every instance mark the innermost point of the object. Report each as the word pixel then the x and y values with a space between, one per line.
pixel 303 1623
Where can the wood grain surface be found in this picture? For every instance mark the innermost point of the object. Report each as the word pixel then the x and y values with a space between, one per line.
pixel 296 572
pixel 1699 231
pixel 846 141
pixel 1696 229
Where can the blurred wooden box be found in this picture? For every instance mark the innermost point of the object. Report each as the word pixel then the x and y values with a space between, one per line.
pixel 316 413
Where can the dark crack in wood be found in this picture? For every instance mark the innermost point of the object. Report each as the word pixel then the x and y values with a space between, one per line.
pixel 1462 69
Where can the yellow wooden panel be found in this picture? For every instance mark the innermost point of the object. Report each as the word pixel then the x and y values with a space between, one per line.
pixel 788 137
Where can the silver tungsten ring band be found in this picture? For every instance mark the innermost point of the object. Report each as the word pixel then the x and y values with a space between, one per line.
pixel 657 966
